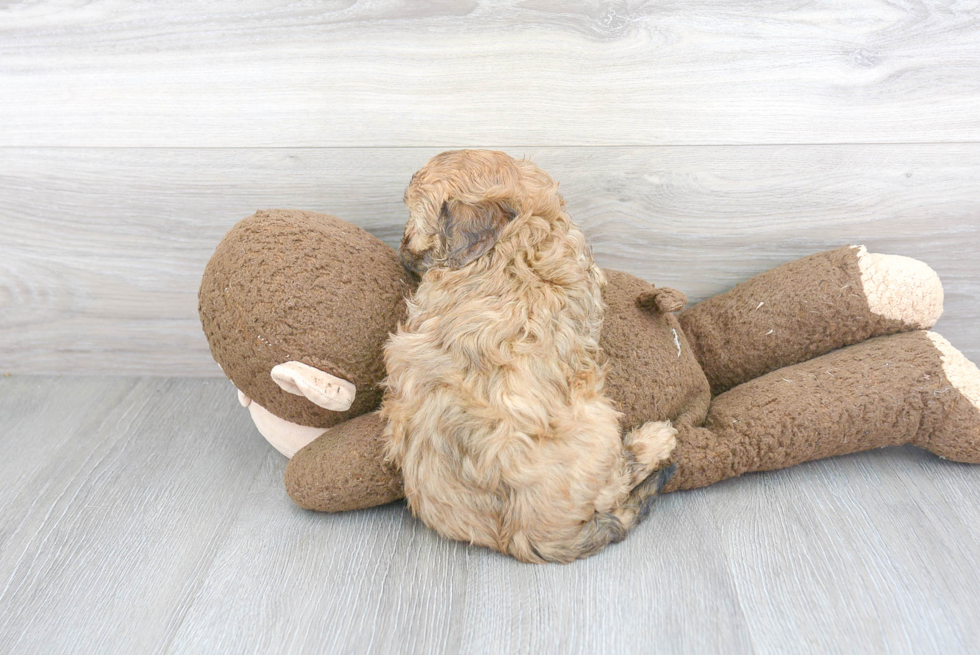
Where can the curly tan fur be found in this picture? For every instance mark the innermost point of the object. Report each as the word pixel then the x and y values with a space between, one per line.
pixel 494 401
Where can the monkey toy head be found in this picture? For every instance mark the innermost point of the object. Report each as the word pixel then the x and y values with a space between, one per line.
pixel 296 307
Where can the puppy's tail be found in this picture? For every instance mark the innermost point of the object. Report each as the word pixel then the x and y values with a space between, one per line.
pixel 647 450
pixel 611 527
pixel 646 454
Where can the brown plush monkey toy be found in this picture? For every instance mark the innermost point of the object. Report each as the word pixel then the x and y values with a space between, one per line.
pixel 822 356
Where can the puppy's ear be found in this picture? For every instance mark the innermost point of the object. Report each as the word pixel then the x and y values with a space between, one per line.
pixel 468 231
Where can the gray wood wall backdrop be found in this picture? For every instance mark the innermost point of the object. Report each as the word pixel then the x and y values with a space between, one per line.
pixel 696 143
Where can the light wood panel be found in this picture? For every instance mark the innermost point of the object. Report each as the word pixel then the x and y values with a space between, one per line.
pixel 151 517
pixel 116 494
pixel 101 250
pixel 892 596
pixel 532 73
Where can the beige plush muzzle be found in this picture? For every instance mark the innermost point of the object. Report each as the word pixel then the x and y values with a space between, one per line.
pixel 320 388
pixel 286 437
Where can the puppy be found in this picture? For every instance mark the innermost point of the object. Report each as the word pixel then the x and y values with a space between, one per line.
pixel 494 401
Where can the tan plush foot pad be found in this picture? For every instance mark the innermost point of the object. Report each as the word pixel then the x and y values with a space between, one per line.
pixel 901 288
pixel 960 371
pixel 959 437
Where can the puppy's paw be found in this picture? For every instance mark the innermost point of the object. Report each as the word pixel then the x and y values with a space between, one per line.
pixel 651 445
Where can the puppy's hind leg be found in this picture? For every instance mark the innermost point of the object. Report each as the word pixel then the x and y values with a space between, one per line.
pixel 645 449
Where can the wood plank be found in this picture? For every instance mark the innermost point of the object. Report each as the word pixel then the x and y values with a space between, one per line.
pixel 878 516
pixel 379 581
pixel 101 250
pixel 547 72
pixel 42 416
pixel 151 518
pixel 121 492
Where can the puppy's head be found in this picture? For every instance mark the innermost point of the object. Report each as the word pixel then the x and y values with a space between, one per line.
pixel 459 204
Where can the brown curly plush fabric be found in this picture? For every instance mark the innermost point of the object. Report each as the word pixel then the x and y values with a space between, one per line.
pixel 651 372
pixel 291 285
pixel 887 391
pixel 648 378
pixel 786 315
pixel 344 469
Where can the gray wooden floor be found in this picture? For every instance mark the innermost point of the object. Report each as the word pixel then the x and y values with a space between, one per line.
pixel 147 515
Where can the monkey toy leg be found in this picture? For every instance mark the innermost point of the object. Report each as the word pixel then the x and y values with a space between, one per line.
pixel 806 308
pixel 910 388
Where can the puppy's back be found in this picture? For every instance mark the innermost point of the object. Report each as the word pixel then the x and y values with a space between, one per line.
pixel 494 399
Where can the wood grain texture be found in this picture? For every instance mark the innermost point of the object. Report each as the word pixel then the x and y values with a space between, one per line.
pixel 101 250
pixel 523 73
pixel 116 493
pixel 147 515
